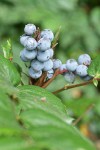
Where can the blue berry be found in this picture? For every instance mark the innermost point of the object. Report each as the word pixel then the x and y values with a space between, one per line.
pixel 84 59
pixel 86 78
pixel 69 77
pixel 37 65
pixel 51 52
pixel 47 33
pixel 50 73
pixel 43 56
pixel 22 56
pixel 30 54
pixel 34 74
pixel 48 65
pixel 71 64
pixel 30 43
pixel 56 63
pixel 43 44
pixel 23 38
pixel 81 70
pixel 63 67
pixel 30 29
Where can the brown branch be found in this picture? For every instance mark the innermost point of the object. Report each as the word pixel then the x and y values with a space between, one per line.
pixel 41 80
pixel 86 111
pixel 75 85
pixel 50 80
pixel 37 34
pixel 32 81
pixel 54 45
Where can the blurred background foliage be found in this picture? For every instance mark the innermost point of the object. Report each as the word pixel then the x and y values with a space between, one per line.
pixel 80 33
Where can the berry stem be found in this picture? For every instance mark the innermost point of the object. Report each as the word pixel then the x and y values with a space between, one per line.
pixel 49 81
pixel 74 85
pixel 56 38
pixel 37 34
pixel 41 80
pixel 84 113
pixel 32 81
pixel 54 45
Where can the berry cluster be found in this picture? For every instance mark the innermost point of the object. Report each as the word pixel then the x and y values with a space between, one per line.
pixel 40 54
pixel 73 68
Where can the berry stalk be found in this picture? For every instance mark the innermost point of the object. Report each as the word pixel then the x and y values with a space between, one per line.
pixel 74 86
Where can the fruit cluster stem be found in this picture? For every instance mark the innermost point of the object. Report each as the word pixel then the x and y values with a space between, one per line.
pixel 66 87
pixel 41 80
pixel 50 80
pixel 84 113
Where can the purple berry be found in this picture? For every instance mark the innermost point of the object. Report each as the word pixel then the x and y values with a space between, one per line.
pixel 43 56
pixel 69 77
pixel 84 59
pixel 63 68
pixel 30 29
pixel 51 52
pixel 56 63
pixel 43 44
pixel 30 43
pixel 37 65
pixel 48 65
pixel 71 64
pixel 22 56
pixel 81 70
pixel 50 73
pixel 23 38
pixel 86 78
pixel 33 74
pixel 47 33
pixel 30 54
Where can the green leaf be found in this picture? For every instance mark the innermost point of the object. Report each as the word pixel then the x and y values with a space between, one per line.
pixel 7 116
pixel 7 50
pixel 48 131
pixel 8 72
pixel 94 68
pixel 12 135
pixel 18 67
pixel 95 18
pixel 95 82
pixel 35 96
pixel 16 143
pixel 79 106
pixel 56 37
pixel 45 117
